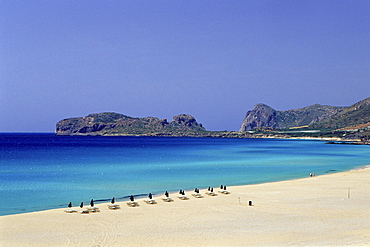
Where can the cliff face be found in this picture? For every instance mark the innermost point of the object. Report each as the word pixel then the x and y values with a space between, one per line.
pixel 262 116
pixel 110 123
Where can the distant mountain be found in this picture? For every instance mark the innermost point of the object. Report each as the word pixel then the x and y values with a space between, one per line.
pixel 110 123
pixel 315 116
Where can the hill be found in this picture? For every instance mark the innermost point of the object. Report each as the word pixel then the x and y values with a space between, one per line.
pixel 349 117
pixel 313 117
pixel 110 123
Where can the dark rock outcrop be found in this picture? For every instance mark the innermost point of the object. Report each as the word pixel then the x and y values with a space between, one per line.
pixel 185 121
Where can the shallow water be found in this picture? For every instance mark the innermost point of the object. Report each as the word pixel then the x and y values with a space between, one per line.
pixel 43 171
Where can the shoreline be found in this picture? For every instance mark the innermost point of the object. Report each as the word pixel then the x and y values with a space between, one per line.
pixel 142 196
pixel 326 210
pixel 220 134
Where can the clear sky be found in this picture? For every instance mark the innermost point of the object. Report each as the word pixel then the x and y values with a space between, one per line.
pixel 211 59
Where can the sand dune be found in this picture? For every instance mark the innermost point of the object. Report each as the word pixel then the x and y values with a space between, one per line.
pixel 329 210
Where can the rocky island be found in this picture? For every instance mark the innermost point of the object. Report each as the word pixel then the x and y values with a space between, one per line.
pixel 110 123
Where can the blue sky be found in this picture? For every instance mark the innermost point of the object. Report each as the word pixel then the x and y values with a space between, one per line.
pixel 211 59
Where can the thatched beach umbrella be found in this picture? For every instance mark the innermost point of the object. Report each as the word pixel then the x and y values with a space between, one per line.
pixel 70 210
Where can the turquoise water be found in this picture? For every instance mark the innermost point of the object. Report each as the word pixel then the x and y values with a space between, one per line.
pixel 43 171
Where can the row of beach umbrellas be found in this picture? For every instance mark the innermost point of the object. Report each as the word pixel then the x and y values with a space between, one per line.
pixel 132 198
pixel 91 203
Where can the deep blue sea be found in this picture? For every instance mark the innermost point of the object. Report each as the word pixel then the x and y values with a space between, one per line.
pixel 43 171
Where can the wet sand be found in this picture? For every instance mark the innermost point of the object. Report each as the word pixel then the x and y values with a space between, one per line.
pixel 328 210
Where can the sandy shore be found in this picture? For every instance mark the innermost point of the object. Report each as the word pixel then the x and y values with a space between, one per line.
pixel 329 210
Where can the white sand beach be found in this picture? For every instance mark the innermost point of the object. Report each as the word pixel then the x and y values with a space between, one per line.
pixel 328 210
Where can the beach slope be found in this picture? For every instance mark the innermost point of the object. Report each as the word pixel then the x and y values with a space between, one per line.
pixel 328 210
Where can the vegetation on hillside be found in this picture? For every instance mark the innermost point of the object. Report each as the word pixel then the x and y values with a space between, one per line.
pixel 305 116
pixel 356 114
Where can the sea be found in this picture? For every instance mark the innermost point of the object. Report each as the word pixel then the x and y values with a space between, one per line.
pixel 40 171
